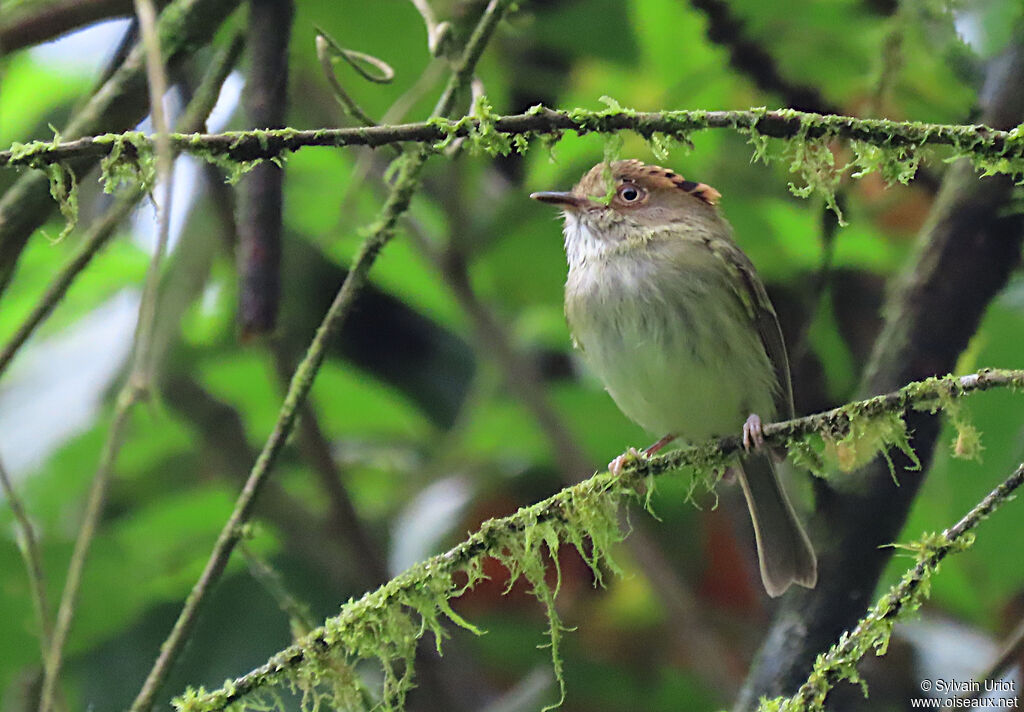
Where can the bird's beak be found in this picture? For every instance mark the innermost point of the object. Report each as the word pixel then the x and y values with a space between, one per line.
pixel 568 201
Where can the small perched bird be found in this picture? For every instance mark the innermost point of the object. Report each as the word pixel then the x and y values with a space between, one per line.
pixel 672 317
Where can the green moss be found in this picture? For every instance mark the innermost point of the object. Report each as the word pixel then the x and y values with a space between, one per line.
pixel 897 164
pixel 966 444
pixel 812 159
pixel 386 624
pixel 64 189
pixel 484 137
pixel 755 138
pixel 130 162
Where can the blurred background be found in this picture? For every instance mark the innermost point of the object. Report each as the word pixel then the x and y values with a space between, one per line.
pixel 453 394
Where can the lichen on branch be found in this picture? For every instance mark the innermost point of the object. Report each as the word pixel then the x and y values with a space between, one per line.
pixel 385 624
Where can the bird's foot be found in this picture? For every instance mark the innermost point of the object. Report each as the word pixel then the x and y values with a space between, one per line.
pixel 753 433
pixel 616 465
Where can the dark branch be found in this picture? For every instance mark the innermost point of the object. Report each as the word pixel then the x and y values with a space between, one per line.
pixel 964 258
pixel 260 207
pixel 752 60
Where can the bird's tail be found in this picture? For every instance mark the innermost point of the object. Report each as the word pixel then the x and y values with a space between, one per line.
pixel 783 549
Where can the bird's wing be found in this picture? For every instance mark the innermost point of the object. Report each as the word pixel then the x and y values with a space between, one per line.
pixel 755 300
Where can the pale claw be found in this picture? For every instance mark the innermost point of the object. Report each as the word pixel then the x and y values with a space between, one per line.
pixel 753 433
pixel 616 465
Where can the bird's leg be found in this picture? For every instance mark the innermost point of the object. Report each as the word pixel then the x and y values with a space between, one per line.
pixel 660 444
pixel 753 433
pixel 616 465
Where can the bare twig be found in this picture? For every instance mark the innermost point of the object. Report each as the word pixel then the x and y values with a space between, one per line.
pixel 381 232
pixel 1011 651
pixel 39 22
pixel 138 382
pixel 261 570
pixel 752 60
pixel 364 549
pixel 439 34
pixel 261 201
pixel 33 561
pixel 87 531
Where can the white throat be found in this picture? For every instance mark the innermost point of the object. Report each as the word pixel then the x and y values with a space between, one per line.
pixel 581 245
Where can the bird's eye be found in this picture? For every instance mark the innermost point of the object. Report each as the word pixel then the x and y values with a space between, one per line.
pixel 630 193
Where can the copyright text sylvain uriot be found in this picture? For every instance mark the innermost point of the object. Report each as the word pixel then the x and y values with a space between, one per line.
pixel 951 686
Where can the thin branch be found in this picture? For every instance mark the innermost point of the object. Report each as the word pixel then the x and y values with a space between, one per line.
pixel 439 34
pixel 156 74
pixel 102 230
pixel 752 60
pixel 381 232
pixel 1010 653
pixel 33 561
pixel 86 533
pixel 633 478
pixel 872 630
pixel 975 140
pixel 138 382
pixel 371 569
pixel 270 578
pixel 95 239
pixel 39 22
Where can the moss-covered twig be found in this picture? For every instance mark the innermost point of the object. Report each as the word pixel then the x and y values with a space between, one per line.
pixel 978 141
pixel 380 233
pixel 873 631
pixel 585 511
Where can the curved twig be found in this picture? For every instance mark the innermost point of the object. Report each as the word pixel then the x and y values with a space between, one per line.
pixel 329 52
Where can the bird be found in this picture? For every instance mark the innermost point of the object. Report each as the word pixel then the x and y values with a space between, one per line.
pixel 670 314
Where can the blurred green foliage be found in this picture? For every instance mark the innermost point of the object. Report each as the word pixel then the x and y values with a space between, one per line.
pixel 176 478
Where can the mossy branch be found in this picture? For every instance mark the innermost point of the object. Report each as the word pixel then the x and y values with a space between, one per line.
pixel 584 515
pixel 873 631
pixel 1003 150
